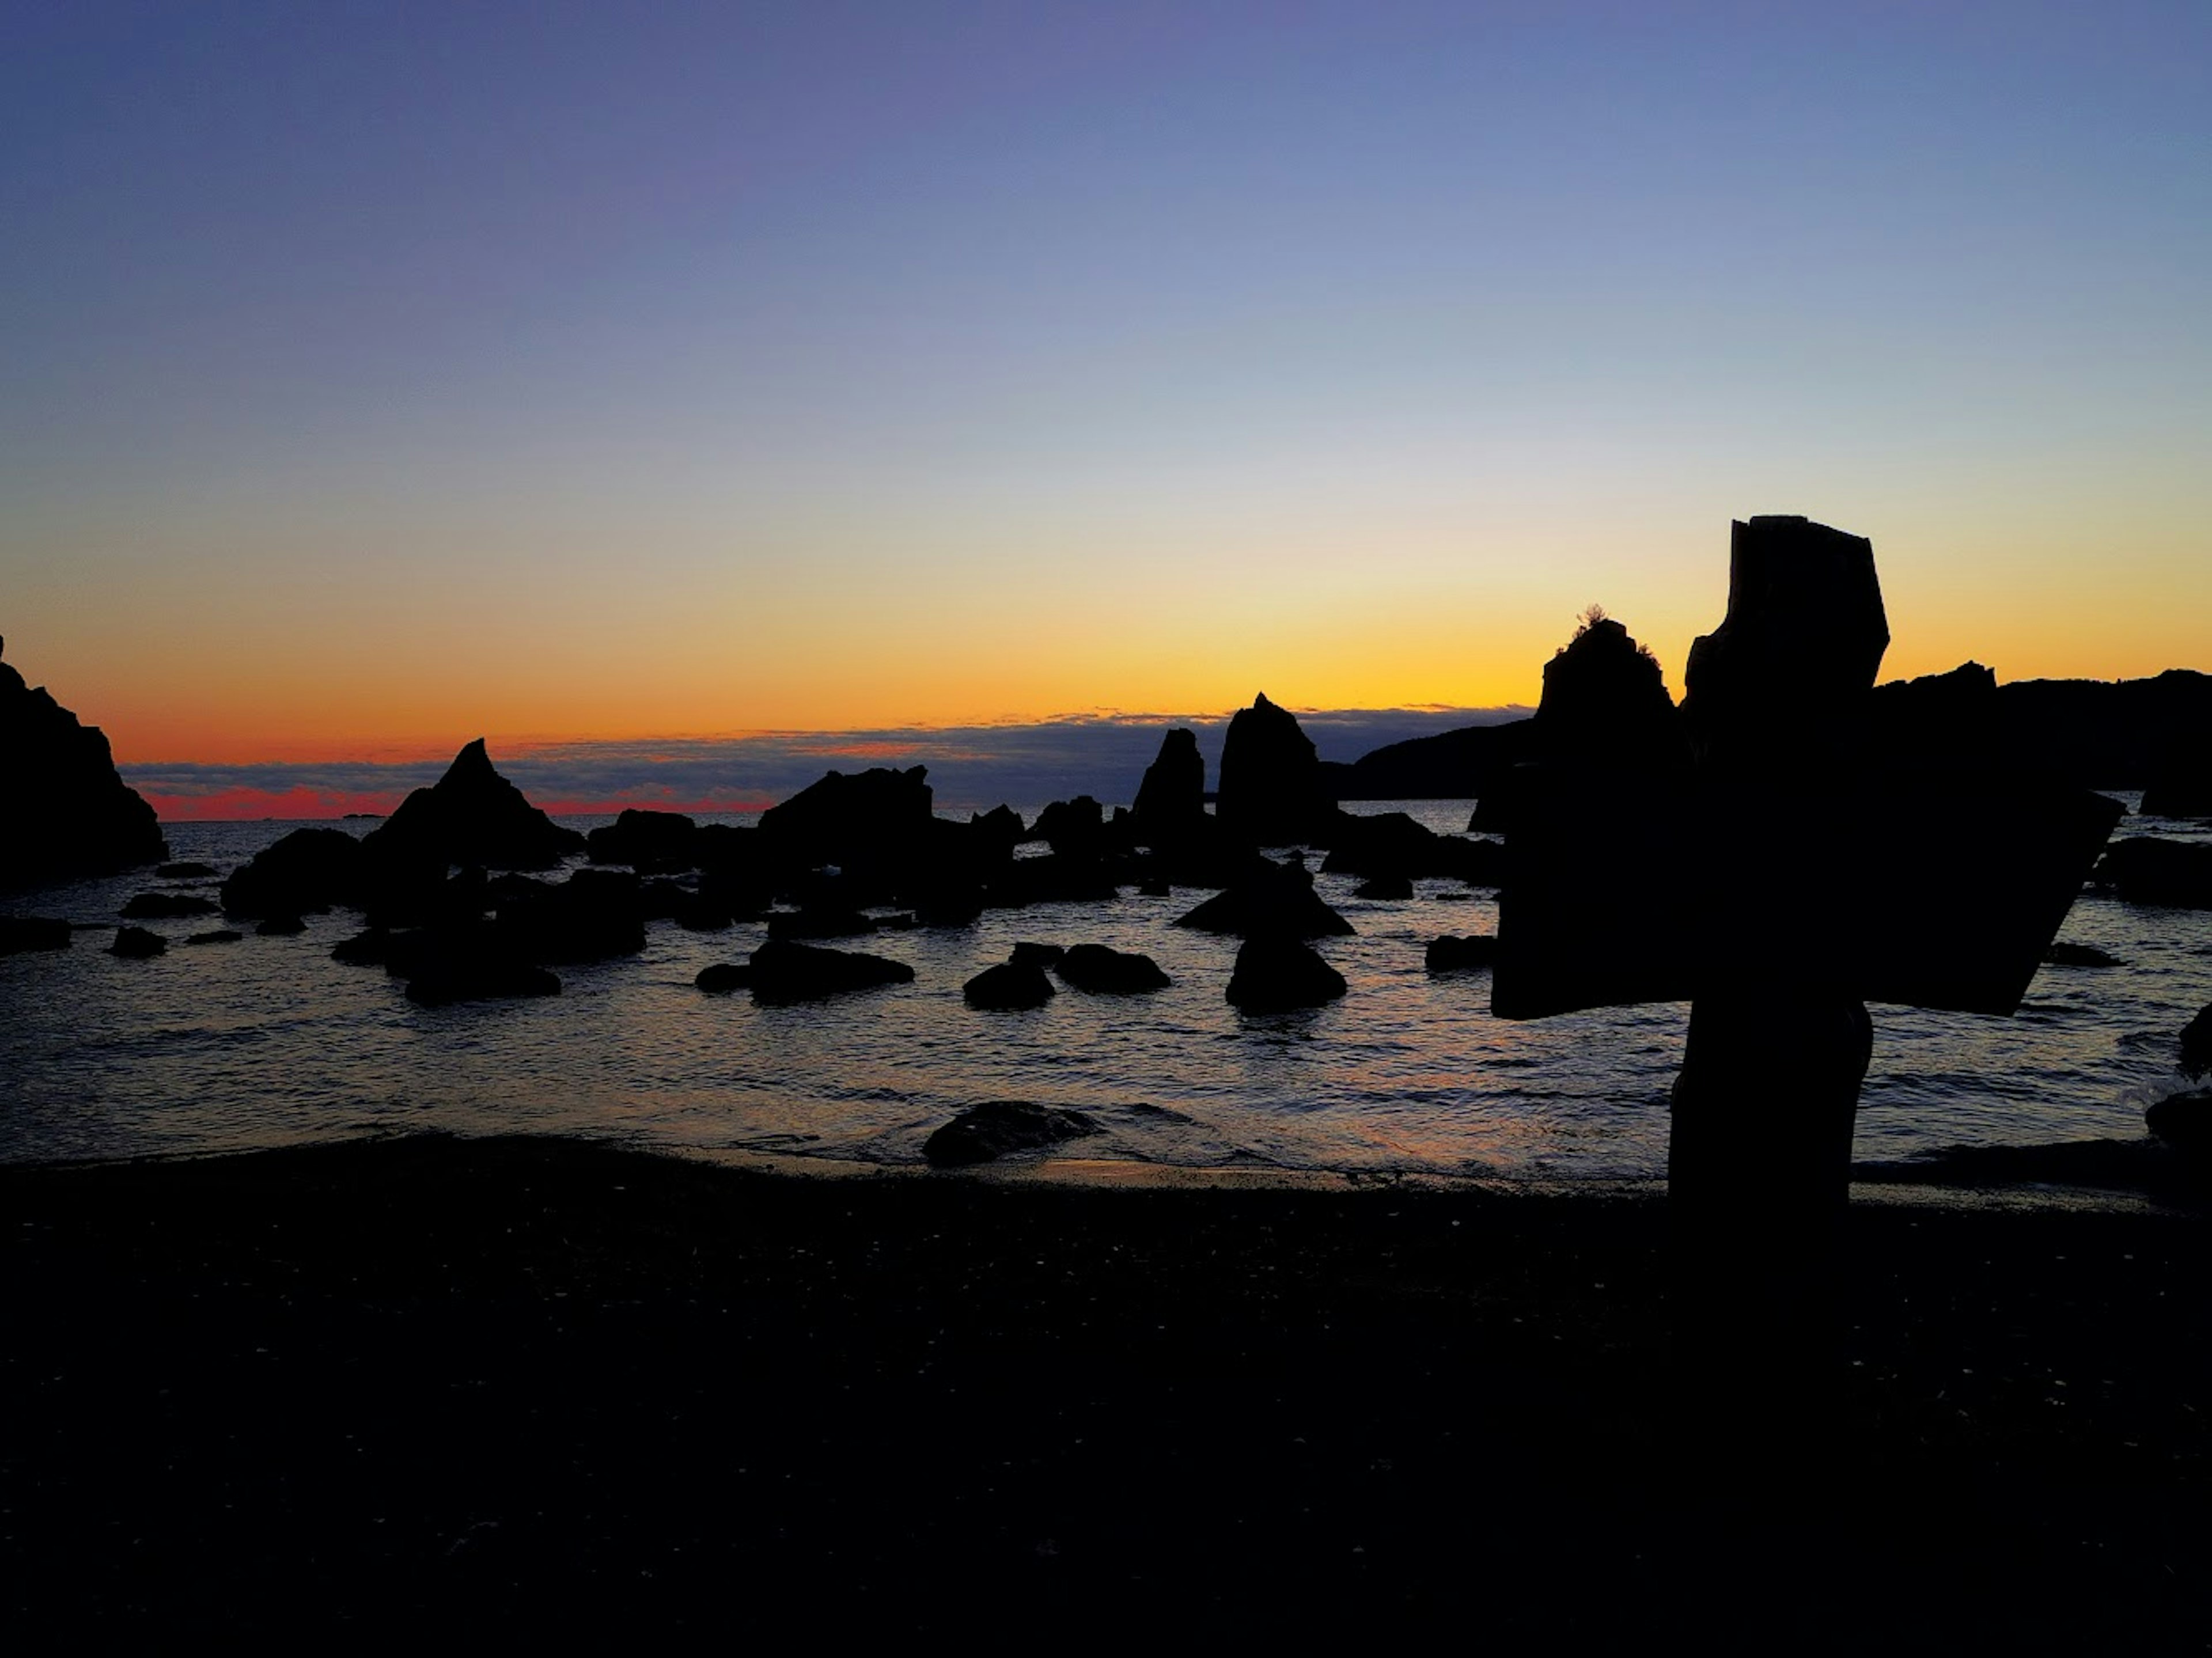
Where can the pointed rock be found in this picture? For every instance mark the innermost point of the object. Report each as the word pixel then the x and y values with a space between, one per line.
pixel 1272 792
pixel 472 815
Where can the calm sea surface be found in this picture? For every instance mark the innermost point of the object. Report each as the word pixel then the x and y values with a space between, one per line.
pixel 268 1041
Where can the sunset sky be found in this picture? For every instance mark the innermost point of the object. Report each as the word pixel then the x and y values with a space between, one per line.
pixel 380 376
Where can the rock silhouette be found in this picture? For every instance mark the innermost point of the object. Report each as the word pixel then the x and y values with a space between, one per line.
pixel 2197 1043
pixel 1605 699
pixel 2145 870
pixel 1171 807
pixel 998 1126
pixel 785 972
pixel 308 869
pixel 137 942
pixel 1271 790
pixel 1105 972
pixel 68 812
pixel 1277 974
pixel 1011 986
pixel 471 815
pixel 1273 898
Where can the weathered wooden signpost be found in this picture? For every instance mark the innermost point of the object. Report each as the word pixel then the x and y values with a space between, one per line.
pixel 1780 880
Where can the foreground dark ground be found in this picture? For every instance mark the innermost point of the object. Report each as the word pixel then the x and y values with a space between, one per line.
pixel 523 1384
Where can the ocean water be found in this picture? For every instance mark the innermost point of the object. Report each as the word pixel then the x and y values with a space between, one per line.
pixel 268 1041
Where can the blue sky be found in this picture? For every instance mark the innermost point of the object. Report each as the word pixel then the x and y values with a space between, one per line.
pixel 581 372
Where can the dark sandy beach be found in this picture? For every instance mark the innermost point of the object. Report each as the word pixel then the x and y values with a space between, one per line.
pixel 534 1385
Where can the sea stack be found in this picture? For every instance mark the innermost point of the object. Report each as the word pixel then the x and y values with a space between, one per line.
pixel 1605 699
pixel 473 815
pixel 69 813
pixel 1170 805
pixel 1272 792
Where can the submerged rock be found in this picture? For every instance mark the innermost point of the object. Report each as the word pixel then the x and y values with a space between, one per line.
pixel 1105 972
pixel 998 1126
pixel 1275 975
pixel 1384 888
pixel 222 935
pixel 784 972
pixel 279 927
pixel 1011 986
pixel 68 811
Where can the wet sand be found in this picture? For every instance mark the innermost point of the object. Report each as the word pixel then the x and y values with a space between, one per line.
pixel 537 1386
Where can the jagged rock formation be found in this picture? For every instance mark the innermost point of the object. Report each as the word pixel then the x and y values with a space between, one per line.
pixel 1170 805
pixel 471 816
pixel 1271 790
pixel 68 812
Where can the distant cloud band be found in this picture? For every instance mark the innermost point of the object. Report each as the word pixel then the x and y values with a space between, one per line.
pixel 971 767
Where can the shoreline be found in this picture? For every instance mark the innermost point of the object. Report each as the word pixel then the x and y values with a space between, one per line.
pixel 519 1384
pixel 2127 1177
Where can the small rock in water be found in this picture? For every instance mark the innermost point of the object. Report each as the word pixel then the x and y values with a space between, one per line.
pixel 998 1126
pixel 137 942
pixel 1009 987
pixel 1275 975
pixel 784 972
pixel 2183 1122
pixel 723 977
pixel 279 927
pixel 1105 972
pixel 1034 954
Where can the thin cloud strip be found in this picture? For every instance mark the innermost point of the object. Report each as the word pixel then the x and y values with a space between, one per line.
pixel 972 767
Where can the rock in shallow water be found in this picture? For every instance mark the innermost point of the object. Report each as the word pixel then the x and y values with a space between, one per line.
pixel 1276 974
pixel 1105 972
pixel 1010 986
pixel 138 944
pixel 784 972
pixel 998 1126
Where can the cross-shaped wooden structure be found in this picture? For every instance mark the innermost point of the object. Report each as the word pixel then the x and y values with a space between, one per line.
pixel 1779 880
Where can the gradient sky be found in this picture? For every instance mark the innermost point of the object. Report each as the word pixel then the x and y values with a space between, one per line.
pixel 374 377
